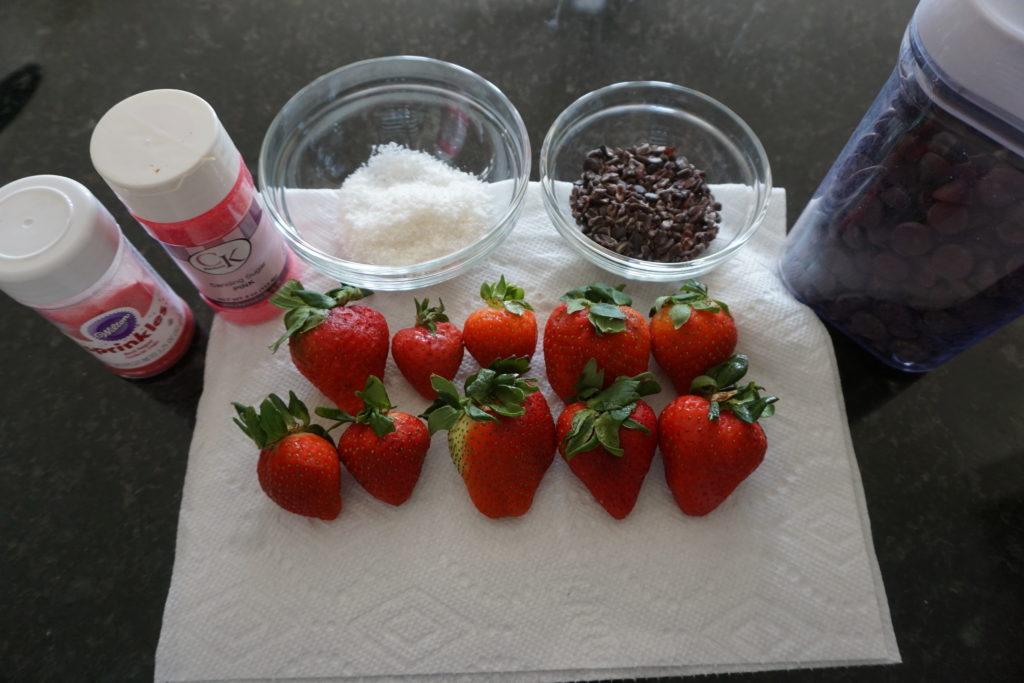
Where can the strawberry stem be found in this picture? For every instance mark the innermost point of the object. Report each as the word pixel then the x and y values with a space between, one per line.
pixel 692 295
pixel 501 294
pixel 376 406
pixel 603 305
pixel 275 420
pixel 719 386
pixel 492 393
pixel 429 316
pixel 606 411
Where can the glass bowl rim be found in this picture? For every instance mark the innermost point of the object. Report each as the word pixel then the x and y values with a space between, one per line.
pixel 625 265
pixel 496 230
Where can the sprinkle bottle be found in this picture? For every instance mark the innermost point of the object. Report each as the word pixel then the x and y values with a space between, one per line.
pixel 168 158
pixel 63 255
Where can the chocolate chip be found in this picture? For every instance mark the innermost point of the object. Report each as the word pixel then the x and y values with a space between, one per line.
pixel 911 239
pixel 663 212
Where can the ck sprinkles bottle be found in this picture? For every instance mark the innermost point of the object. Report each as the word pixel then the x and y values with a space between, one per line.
pixel 62 254
pixel 168 158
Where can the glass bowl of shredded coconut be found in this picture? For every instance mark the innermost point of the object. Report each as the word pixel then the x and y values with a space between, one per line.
pixel 395 173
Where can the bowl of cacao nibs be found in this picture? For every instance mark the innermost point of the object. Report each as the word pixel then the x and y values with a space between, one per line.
pixel 654 181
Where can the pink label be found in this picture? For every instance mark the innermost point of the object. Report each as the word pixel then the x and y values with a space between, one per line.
pixel 127 339
pixel 243 267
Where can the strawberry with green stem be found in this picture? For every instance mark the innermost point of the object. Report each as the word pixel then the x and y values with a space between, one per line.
pixel 599 322
pixel 710 439
pixel 298 466
pixel 336 346
pixel 433 346
pixel 382 448
pixel 609 437
pixel 504 328
pixel 691 332
pixel 501 435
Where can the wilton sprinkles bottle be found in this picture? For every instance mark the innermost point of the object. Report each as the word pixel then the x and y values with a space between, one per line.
pixel 62 254
pixel 168 158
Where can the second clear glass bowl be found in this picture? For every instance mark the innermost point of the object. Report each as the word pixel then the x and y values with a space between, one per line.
pixel 701 129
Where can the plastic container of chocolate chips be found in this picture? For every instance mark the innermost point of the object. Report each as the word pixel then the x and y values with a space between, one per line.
pixel 913 245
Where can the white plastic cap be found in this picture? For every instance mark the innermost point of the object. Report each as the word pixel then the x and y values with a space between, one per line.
pixel 165 154
pixel 979 46
pixel 56 239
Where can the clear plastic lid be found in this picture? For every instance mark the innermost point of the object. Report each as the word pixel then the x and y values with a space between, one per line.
pixel 56 239
pixel 977 48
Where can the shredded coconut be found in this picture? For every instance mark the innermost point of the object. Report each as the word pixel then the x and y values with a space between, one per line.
pixel 403 207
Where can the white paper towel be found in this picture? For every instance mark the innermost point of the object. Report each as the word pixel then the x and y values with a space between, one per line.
pixel 782 575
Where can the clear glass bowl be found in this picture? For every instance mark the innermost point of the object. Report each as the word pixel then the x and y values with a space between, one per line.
pixel 329 129
pixel 705 132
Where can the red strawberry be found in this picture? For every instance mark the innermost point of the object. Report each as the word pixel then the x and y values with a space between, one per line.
pixel 432 347
pixel 505 327
pixel 334 346
pixel 690 333
pixel 609 438
pixel 596 322
pixel 298 466
pixel 500 435
pixel 382 448
pixel 710 440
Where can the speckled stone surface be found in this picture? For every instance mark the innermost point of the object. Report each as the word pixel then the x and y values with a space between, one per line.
pixel 91 466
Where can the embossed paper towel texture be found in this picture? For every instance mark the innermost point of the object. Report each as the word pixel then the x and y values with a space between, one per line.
pixel 782 575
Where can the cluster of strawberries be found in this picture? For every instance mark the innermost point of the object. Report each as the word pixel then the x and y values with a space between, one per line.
pixel 502 436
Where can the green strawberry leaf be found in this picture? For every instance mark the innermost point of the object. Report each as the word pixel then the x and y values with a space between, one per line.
pixel 581 436
pixel 248 421
pixel 606 427
pixel 381 424
pixel 332 413
pixel 514 307
pixel 442 418
pixel 297 408
pixel 478 414
pixel 730 372
pixel 347 293
pixel 692 295
pixel 589 382
pixel 719 386
pixel 319 431
pixel 504 295
pixel 306 309
pixel 282 410
pixel 376 406
pixel 607 412
pixel 285 296
pixel 498 390
pixel 271 420
pixel 429 316
pixel 374 395
pixel 446 390
pixel 604 304
pixel 509 394
pixel 679 314
pixel 512 365
pixel 479 385
pixel 275 420
pixel 600 293
pixel 630 423
pixel 607 311
pixel 574 305
pixel 314 299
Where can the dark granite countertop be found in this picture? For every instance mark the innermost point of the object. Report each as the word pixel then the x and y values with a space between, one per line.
pixel 91 466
